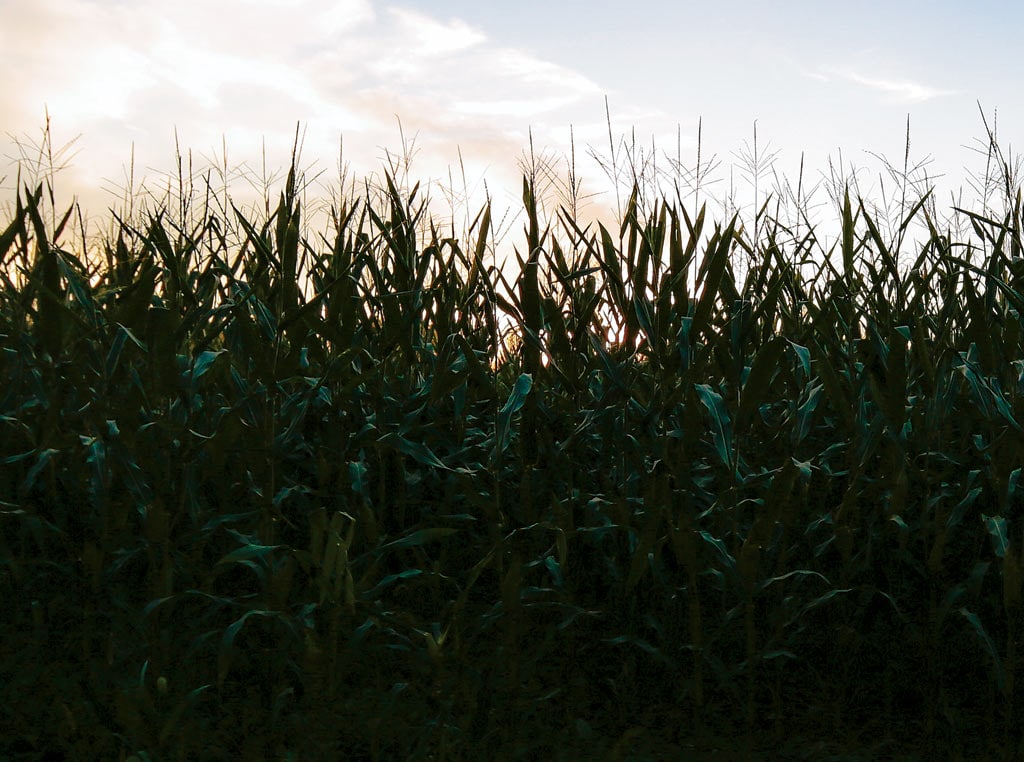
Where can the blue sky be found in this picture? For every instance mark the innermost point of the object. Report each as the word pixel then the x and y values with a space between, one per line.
pixel 818 77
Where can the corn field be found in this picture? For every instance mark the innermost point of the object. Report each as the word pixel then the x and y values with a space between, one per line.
pixel 372 496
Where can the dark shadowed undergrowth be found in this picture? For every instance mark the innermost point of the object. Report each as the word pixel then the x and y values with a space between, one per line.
pixel 367 495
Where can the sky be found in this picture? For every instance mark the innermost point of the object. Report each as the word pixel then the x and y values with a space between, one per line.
pixel 466 84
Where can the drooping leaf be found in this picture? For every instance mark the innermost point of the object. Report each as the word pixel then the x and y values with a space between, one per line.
pixel 998 532
pixel 721 424
pixel 512 405
pixel 416 450
pixel 990 647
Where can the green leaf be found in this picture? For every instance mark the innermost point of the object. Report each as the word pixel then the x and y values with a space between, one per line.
pixel 389 580
pixel 204 361
pixel 801 573
pixel 759 380
pixel 357 475
pixel 44 460
pixel 721 425
pixel 957 513
pixel 847 245
pixel 420 537
pixel 803 416
pixel 224 656
pixel 415 450
pixel 712 269
pixel 989 646
pixel 641 644
pixel 718 545
pixel 804 355
pixel 997 529
pixel 114 355
pixel 514 403
pixel 555 570
pixel 822 599
pixel 248 553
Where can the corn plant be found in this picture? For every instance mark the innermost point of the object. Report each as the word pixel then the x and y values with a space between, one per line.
pixel 372 494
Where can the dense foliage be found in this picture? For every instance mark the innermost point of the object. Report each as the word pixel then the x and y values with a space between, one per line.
pixel 371 496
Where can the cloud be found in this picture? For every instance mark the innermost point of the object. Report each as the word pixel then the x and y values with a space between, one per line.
pixel 904 90
pixel 816 75
pixel 127 74
pixel 526 107
pixel 431 38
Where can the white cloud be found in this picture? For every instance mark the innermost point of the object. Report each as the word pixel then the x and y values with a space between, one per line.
pixel 134 73
pixel 900 89
pixel 526 107
pixel 431 38
pixel 815 75
pixel 531 70
pixel 108 80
